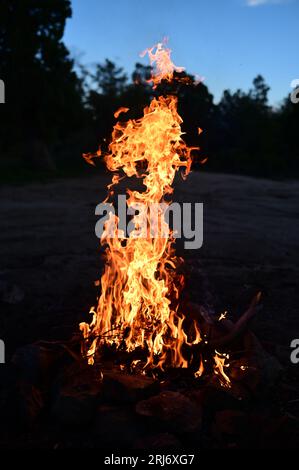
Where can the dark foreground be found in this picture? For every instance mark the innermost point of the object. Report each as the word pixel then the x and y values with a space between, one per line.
pixel 50 258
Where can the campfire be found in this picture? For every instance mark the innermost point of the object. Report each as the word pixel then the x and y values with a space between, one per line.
pixel 139 310
pixel 139 305
pixel 151 369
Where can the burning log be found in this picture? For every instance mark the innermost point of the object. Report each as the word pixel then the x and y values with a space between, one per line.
pixel 221 333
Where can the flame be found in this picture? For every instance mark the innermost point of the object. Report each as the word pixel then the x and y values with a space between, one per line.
pixel 90 156
pixel 163 67
pixel 200 370
pixel 120 111
pixel 219 368
pixel 222 316
pixel 140 289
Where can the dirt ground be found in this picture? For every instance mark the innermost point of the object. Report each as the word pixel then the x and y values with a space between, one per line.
pixel 49 252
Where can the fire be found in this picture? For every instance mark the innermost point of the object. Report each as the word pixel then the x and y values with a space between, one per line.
pixel 159 56
pixel 219 368
pixel 139 305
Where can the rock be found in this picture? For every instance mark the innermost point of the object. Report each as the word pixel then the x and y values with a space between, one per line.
pixel 34 362
pixel 74 408
pixel 216 398
pixel 174 411
pixel 117 427
pixel 78 375
pixel 160 441
pixel 8 396
pixel 119 387
pixel 30 403
pixel 230 422
pixel 265 370
pixel 275 430
pixel 21 403
pixel 10 293
pixel 75 395
pixel 231 429
pixel 195 395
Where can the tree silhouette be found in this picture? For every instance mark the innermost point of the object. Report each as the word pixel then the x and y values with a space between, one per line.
pixel 43 92
pixel 110 79
pixel 245 129
pixel 260 91
pixel 107 86
pixel 49 107
pixel 287 136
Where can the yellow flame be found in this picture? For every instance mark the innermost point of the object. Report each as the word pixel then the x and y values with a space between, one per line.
pixel 222 316
pixel 140 289
pixel 219 368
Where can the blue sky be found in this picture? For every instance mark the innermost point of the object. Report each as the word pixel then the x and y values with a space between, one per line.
pixel 226 41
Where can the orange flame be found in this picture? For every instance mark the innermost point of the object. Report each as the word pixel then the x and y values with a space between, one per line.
pixel 120 111
pixel 140 289
pixel 219 368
